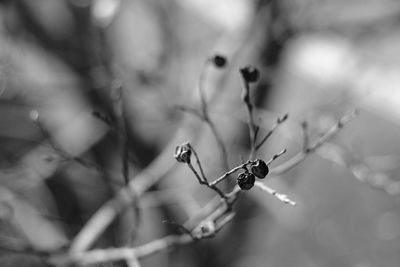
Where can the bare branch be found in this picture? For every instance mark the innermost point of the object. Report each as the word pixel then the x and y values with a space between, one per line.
pixel 270 132
pixel 203 182
pixel 276 156
pixel 250 117
pixel 304 127
pixel 198 163
pixel 282 197
pixel 297 159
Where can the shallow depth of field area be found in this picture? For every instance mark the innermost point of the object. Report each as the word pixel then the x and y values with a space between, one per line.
pixel 260 133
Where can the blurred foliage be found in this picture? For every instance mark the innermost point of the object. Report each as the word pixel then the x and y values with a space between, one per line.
pixel 84 82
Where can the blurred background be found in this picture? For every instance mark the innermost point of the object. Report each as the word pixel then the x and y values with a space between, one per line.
pixel 89 91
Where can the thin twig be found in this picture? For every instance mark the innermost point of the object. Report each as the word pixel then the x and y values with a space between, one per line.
pixel 250 118
pixel 207 228
pixel 203 182
pixel 282 197
pixel 220 142
pixel 198 163
pixel 116 254
pixel 57 147
pixel 304 127
pixel 124 144
pixel 271 131
pixel 297 159
pixel 227 174
pixel 274 157
pixel 190 110
pixel 204 116
pixel 204 107
pixel 153 173
pixel 178 226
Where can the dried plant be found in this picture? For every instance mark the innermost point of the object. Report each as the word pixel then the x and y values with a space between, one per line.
pixel 219 211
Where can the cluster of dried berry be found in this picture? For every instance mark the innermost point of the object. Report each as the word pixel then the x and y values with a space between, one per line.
pixel 259 169
pixel 245 180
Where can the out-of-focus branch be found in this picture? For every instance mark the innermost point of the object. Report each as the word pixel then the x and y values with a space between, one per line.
pixel 297 159
pixel 220 62
pixel 249 75
pixel 139 184
pixel 282 197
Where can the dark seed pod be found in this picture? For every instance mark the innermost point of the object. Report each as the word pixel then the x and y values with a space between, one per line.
pixel 250 74
pixel 183 153
pixel 259 169
pixel 246 180
pixel 219 61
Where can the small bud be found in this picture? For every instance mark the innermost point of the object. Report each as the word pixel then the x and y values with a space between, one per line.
pixel 219 61
pixel 259 169
pixel 246 180
pixel 183 153
pixel 250 74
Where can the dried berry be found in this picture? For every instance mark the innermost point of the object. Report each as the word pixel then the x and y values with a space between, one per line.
pixel 259 169
pixel 250 74
pixel 246 180
pixel 219 61
pixel 183 153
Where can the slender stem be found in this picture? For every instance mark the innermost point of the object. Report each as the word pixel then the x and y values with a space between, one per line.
pixel 274 157
pixel 297 159
pixel 204 182
pixel 124 143
pixel 212 212
pixel 220 142
pixel 199 178
pixel 190 110
pixel 225 175
pixel 198 163
pixel 271 131
pixel 207 119
pixel 282 197
pixel 250 118
pixel 204 115
pixel 115 254
pixel 204 107
pixel 304 127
